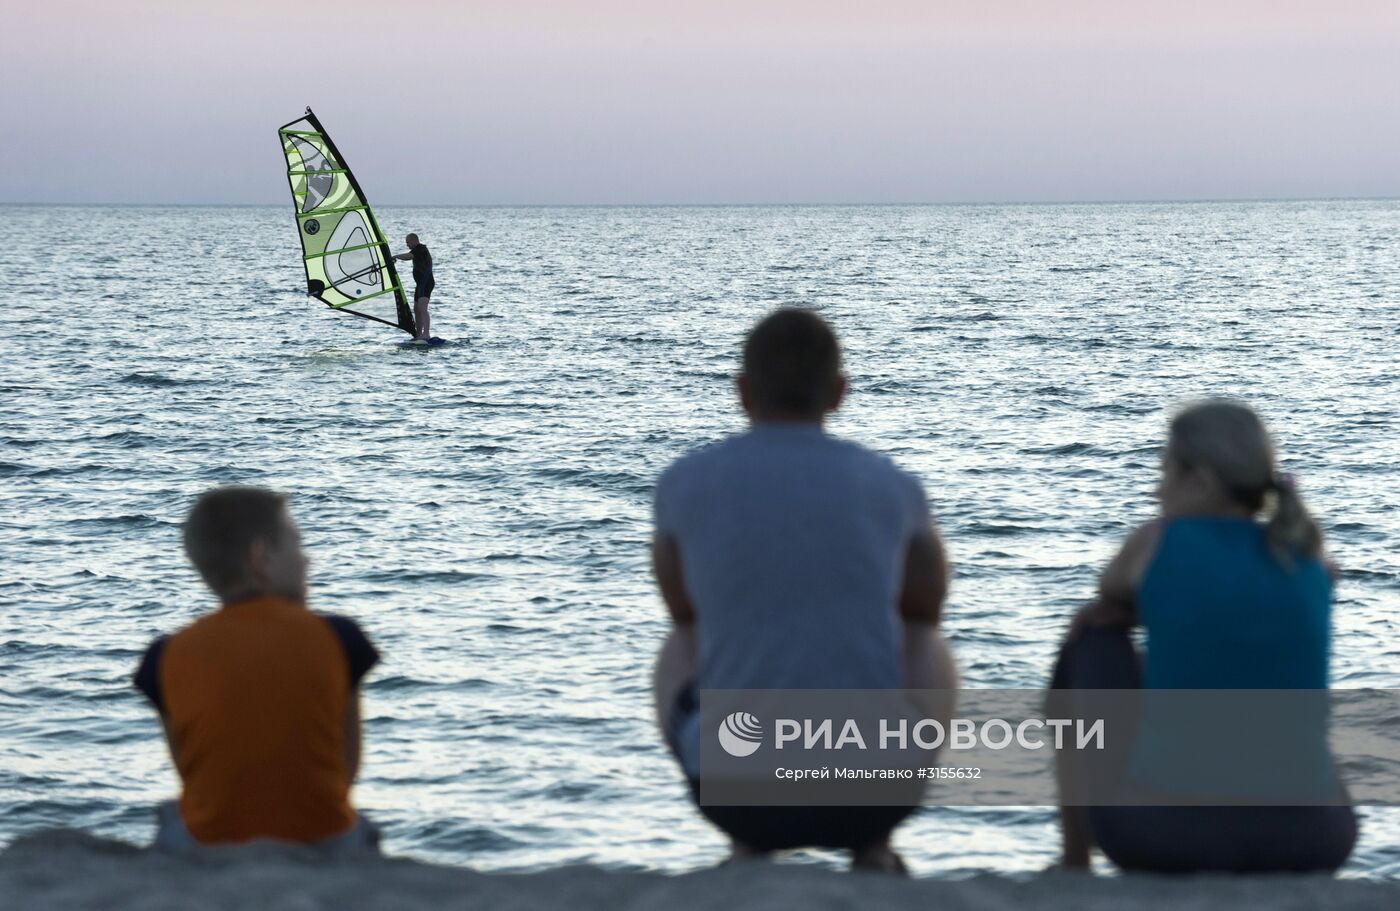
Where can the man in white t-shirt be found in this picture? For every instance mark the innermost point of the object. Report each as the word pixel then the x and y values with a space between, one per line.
pixel 789 559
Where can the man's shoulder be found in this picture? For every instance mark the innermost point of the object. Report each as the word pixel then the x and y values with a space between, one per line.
pixel 705 454
pixel 691 468
pixel 882 467
pixel 867 455
pixel 746 445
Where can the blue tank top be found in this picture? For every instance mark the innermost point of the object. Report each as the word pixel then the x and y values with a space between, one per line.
pixel 1222 613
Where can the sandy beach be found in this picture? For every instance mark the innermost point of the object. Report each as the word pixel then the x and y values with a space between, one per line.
pixel 61 869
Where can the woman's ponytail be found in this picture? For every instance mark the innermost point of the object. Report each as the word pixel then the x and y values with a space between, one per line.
pixel 1291 530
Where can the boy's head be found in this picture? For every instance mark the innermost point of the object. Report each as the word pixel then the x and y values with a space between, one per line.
pixel 244 543
pixel 792 368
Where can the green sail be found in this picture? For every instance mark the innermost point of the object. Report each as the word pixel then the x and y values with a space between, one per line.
pixel 349 266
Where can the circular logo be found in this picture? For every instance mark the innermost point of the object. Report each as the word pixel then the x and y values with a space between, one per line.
pixel 312 226
pixel 741 734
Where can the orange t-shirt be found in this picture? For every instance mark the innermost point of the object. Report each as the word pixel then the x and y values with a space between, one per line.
pixel 255 696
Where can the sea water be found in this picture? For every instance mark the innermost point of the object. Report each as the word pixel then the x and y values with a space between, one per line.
pixel 483 509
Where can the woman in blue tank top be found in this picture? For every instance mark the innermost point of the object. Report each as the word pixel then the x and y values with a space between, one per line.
pixel 1233 592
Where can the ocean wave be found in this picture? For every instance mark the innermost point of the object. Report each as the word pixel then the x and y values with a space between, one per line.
pixel 155 380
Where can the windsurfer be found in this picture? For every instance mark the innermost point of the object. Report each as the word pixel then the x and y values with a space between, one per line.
pixel 423 284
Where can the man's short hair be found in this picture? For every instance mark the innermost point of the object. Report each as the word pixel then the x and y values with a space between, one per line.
pixel 411 237
pixel 222 526
pixel 793 362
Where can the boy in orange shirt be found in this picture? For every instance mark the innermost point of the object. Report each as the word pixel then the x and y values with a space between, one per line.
pixel 259 699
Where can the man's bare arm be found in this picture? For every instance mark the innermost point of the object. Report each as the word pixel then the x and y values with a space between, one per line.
pixel 666 566
pixel 925 578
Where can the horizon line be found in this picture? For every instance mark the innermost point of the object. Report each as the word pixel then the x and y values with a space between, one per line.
pixel 1145 201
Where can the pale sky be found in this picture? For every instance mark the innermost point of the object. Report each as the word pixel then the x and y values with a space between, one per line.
pixel 705 101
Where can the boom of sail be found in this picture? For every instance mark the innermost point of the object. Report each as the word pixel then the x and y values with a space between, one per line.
pixel 349 266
